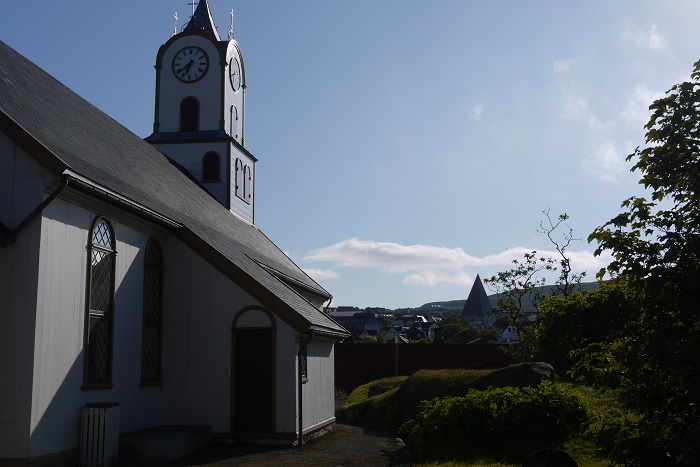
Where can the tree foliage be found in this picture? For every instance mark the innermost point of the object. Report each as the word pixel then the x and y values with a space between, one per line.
pixel 568 281
pixel 569 325
pixel 520 286
pixel 655 245
pixel 539 416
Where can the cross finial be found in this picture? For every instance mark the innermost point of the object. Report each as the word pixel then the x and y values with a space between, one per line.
pixel 193 5
pixel 230 31
pixel 175 27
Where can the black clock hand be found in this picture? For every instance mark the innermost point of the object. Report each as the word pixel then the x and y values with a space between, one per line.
pixel 186 68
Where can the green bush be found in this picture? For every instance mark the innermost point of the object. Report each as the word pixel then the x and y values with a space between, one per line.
pixel 547 413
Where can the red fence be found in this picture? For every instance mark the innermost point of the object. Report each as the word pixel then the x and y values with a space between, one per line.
pixel 357 364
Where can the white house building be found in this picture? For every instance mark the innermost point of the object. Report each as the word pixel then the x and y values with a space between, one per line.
pixel 133 273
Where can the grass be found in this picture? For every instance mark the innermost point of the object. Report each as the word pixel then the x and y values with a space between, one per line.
pixel 385 404
pixel 398 398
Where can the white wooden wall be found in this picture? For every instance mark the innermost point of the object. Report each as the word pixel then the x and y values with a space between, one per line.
pixel 319 392
pixel 57 397
pixel 244 208
pixel 22 187
pixel 190 157
pixel 199 315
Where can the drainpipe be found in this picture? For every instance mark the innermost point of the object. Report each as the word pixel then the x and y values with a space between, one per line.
pixel 300 384
pixel 41 207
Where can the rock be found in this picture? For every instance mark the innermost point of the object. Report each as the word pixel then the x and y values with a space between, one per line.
pixel 549 458
pixel 518 375
pixel 382 387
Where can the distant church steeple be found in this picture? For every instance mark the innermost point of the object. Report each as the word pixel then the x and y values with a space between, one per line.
pixel 477 304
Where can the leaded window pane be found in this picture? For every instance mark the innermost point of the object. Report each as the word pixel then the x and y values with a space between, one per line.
pixel 98 346
pixel 98 354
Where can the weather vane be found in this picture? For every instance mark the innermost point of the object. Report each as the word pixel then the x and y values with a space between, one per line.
pixel 175 27
pixel 230 31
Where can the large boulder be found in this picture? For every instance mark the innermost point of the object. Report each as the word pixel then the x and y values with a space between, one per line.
pixel 519 375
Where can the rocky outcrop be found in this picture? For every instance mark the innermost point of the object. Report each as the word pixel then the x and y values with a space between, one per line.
pixel 518 375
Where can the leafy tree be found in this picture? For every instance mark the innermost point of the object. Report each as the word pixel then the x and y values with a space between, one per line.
pixel 519 286
pixel 522 286
pixel 466 335
pixel 450 331
pixel 655 245
pixel 569 325
pixel 568 280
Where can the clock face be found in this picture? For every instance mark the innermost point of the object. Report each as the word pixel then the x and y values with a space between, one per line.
pixel 234 70
pixel 190 64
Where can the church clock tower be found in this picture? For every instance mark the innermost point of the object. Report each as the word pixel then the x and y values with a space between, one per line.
pixel 200 111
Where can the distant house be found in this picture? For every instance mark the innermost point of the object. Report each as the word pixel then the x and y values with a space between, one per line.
pixel 360 324
pixel 509 335
pixel 415 333
pixel 392 334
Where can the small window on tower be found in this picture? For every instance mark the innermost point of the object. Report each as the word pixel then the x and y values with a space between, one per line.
pixel 247 179
pixel 189 114
pixel 211 164
pixel 234 122
pixel 239 178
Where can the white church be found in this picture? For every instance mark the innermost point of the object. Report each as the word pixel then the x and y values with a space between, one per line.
pixel 132 271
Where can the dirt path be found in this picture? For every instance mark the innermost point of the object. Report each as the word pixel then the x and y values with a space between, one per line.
pixel 345 445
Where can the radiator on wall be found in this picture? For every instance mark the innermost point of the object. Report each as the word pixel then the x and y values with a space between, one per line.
pixel 99 437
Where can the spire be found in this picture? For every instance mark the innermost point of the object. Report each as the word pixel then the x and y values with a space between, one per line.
pixel 202 21
pixel 477 304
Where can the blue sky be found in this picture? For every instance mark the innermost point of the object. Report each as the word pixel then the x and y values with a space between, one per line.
pixel 404 147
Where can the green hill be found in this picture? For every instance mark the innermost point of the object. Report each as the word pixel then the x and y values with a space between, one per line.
pixel 456 306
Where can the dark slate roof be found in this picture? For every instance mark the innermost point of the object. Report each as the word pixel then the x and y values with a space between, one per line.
pixel 68 134
pixel 5 235
pixel 477 304
pixel 202 21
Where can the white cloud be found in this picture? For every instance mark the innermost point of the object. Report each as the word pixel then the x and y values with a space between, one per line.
pixel 321 274
pixel 429 265
pixel 636 112
pixel 651 39
pixel 606 163
pixel 476 112
pixel 596 125
pixel 431 278
pixel 563 66
pixel 575 106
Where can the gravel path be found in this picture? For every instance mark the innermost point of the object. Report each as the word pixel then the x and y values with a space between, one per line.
pixel 345 445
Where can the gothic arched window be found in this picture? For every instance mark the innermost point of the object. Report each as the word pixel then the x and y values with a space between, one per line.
pixel 189 114
pixel 211 168
pixel 240 178
pixel 152 331
pixel 99 316
pixel 247 179
pixel 234 122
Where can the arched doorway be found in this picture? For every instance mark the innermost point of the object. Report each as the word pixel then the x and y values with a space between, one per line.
pixel 253 372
